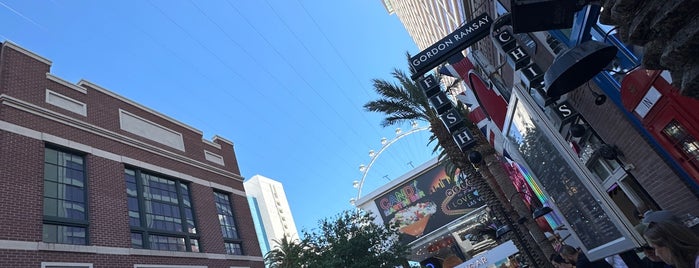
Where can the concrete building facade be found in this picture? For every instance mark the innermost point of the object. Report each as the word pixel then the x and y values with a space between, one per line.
pixel 92 179
pixel 270 206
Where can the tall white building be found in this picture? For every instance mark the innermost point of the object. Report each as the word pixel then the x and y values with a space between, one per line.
pixel 270 210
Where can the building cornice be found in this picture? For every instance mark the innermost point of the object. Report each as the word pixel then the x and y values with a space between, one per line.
pixel 41 246
pixel 83 83
pixel 27 52
pixel 69 121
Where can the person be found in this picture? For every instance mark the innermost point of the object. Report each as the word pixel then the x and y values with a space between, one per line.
pixel 558 262
pixel 658 216
pixel 674 243
pixel 572 255
pixel 650 260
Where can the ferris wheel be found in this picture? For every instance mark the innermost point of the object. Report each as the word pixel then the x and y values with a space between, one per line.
pixel 385 143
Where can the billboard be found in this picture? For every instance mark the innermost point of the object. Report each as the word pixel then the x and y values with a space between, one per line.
pixel 428 201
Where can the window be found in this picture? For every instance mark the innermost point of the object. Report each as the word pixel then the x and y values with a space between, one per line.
pixel 160 213
pixel 683 141
pixel 65 213
pixel 225 218
pixel 234 248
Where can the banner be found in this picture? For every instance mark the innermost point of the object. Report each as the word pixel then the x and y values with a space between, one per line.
pixel 427 202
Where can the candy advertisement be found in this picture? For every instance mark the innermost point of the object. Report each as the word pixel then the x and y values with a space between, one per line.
pixel 427 202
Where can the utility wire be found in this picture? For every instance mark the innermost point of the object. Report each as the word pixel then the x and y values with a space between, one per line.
pixel 318 63
pixel 366 91
pixel 302 78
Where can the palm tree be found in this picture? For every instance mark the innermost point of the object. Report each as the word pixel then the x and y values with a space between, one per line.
pixel 286 254
pixel 405 102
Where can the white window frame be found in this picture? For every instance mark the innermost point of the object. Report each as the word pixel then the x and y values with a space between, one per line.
pixel 167 266
pixel 64 264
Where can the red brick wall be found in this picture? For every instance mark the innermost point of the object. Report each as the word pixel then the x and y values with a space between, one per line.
pixel 108 214
pixel 21 173
pixel 21 190
pixel 33 259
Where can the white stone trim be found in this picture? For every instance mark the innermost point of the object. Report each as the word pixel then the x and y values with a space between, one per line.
pixel 215 145
pixel 65 83
pixel 212 157
pixel 41 246
pixel 69 121
pixel 167 266
pixel 27 52
pixel 228 189
pixel 150 130
pixel 121 98
pixel 65 264
pixel 65 102
pixel 30 133
pixel 217 137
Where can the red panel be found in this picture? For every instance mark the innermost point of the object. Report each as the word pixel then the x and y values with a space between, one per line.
pixel 493 104
pixel 635 85
pixel 671 106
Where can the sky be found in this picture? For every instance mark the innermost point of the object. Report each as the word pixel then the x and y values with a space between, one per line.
pixel 284 80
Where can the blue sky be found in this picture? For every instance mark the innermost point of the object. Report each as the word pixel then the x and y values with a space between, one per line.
pixel 284 80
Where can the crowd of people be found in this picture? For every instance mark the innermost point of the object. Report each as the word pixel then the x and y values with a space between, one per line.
pixel 670 244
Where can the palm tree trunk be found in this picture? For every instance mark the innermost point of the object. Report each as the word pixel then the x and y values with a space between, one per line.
pixel 530 231
pixel 494 189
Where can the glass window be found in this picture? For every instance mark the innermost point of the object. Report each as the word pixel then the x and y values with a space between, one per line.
pixel 160 212
pixel 64 234
pixel 584 214
pixel 65 213
pixel 136 240
pixel 234 248
pixel 684 142
pixel 225 216
pixel 228 229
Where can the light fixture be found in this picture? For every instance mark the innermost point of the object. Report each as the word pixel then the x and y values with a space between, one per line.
pixel 599 98
pixel 538 212
pixel 502 230
pixel 475 157
pixel 577 65
pixel 609 152
pixel 577 130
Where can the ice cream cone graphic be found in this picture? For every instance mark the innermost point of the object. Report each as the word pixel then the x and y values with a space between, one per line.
pixel 413 220
pixel 417 228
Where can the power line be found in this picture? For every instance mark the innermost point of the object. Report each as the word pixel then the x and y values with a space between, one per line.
pixel 366 91
pixel 293 68
pixel 281 55
pixel 318 63
pixel 189 35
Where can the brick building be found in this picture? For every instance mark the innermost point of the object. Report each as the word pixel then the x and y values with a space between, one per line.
pixel 92 179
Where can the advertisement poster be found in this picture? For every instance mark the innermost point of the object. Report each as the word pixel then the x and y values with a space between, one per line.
pixel 427 202
pixel 501 256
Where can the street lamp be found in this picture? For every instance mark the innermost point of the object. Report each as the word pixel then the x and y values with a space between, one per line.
pixel 538 212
